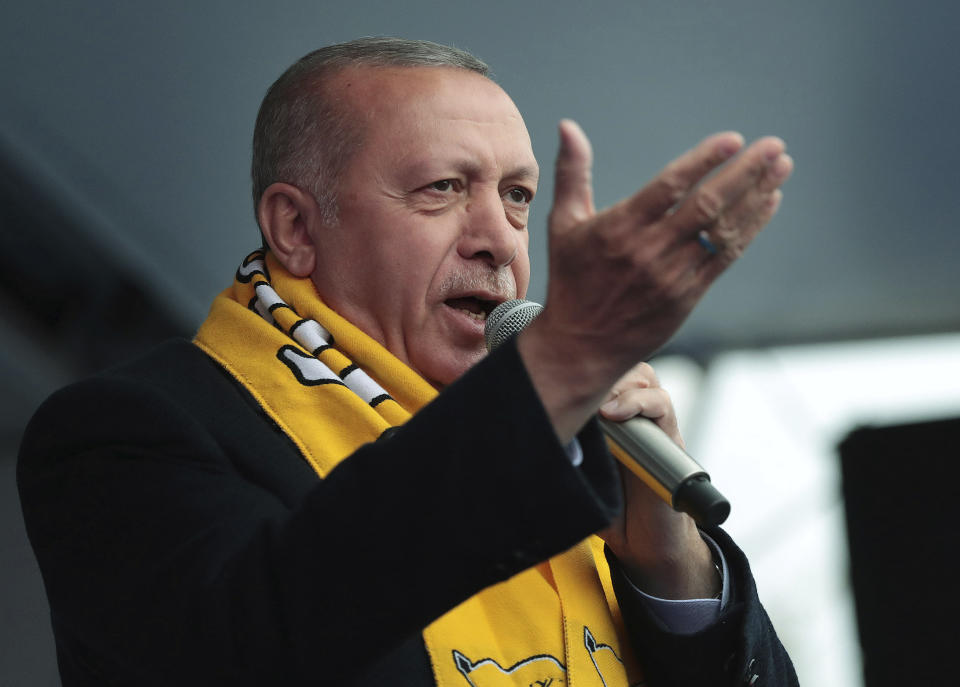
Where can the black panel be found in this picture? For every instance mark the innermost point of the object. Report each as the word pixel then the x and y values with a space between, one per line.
pixel 901 485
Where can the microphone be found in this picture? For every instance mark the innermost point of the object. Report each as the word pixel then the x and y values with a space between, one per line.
pixel 638 443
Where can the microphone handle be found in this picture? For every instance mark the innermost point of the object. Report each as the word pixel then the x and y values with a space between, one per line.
pixel 649 453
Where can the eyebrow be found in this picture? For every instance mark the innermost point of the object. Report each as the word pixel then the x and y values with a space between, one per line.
pixel 531 172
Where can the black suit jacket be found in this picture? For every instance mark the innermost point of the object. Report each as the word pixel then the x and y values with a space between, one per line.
pixel 183 540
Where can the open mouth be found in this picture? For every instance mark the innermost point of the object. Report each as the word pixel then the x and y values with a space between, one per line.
pixel 477 308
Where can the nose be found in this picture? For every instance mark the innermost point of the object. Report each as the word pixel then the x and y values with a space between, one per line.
pixel 487 233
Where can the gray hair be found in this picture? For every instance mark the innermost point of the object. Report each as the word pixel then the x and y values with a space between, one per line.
pixel 305 135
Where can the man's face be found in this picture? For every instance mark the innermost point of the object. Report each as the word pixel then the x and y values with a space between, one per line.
pixel 432 229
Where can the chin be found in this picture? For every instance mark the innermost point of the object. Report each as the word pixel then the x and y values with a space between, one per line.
pixel 444 371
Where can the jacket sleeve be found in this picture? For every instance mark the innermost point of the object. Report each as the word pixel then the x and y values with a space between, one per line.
pixel 740 648
pixel 166 561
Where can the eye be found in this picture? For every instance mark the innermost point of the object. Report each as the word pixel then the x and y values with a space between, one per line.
pixel 443 186
pixel 518 195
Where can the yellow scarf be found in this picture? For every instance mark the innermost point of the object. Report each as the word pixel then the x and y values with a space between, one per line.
pixel 331 388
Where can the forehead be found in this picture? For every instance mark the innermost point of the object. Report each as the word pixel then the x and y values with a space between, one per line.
pixel 402 108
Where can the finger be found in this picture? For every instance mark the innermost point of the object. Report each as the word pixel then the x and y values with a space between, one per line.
pixel 739 225
pixel 677 178
pixel 755 212
pixel 573 187
pixel 652 403
pixel 641 375
pixel 778 172
pixel 706 203
pixel 742 222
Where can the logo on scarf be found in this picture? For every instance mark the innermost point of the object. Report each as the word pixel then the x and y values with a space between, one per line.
pixel 541 670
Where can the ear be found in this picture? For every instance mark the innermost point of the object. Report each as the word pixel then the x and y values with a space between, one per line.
pixel 286 215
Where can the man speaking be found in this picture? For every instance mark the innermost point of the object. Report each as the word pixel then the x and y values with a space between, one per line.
pixel 334 484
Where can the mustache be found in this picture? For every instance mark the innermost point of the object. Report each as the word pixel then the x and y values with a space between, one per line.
pixel 496 281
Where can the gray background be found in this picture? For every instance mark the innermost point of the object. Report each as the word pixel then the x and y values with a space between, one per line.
pixel 131 123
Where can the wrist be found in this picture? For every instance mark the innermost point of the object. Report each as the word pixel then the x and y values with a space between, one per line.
pixel 690 572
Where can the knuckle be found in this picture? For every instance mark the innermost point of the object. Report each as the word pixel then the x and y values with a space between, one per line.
pixel 664 396
pixel 670 293
pixel 566 217
pixel 670 288
pixel 671 186
pixel 707 205
pixel 757 169
pixel 658 287
pixel 732 251
pixel 726 230
pixel 647 373
pixel 679 296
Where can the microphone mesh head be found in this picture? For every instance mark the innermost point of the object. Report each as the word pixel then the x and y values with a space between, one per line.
pixel 507 319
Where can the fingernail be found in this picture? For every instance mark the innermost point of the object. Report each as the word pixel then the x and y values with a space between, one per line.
pixel 610 406
pixel 729 147
pixel 782 166
pixel 565 129
pixel 775 152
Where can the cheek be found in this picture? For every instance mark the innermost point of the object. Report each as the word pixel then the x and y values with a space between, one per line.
pixel 404 259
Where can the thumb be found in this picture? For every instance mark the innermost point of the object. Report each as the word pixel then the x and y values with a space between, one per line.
pixel 573 187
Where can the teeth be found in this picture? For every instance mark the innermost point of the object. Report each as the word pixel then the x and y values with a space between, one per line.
pixel 478 316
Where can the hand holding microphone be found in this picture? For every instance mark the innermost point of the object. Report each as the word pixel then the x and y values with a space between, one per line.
pixel 638 443
pixel 622 281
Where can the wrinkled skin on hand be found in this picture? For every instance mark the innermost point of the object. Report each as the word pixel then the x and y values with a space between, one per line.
pixel 622 281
